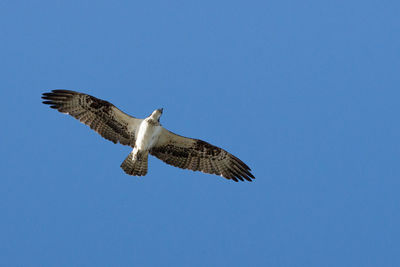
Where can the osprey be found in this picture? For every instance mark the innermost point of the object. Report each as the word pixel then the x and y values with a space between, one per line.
pixel 147 136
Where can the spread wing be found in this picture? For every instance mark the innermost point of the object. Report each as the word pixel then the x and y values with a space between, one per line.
pixel 197 155
pixel 100 115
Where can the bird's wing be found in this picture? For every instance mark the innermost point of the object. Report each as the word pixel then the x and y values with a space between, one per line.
pixel 100 115
pixel 197 155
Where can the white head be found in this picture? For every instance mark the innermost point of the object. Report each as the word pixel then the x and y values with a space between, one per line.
pixel 156 114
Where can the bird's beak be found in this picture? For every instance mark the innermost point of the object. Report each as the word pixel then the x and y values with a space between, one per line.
pixel 161 110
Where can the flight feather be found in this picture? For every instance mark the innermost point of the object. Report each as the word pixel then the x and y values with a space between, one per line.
pixel 98 114
pixel 198 155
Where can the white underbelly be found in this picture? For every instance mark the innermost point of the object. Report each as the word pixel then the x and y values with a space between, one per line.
pixel 147 136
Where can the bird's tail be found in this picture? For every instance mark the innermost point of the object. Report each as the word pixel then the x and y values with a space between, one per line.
pixel 136 164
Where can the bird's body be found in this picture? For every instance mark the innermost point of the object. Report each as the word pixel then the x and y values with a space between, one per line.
pixel 149 132
pixel 147 136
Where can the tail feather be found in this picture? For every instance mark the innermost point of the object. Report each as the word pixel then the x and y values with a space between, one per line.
pixel 137 167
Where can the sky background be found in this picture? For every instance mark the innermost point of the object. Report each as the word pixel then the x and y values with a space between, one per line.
pixel 305 92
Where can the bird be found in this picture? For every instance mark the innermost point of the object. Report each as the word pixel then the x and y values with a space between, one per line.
pixel 147 136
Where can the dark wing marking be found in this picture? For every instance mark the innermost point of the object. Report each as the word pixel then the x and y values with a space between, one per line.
pixel 197 155
pixel 100 115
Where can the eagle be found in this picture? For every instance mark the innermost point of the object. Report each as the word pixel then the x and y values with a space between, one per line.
pixel 147 136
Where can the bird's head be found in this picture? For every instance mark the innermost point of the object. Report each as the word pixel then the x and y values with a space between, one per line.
pixel 156 114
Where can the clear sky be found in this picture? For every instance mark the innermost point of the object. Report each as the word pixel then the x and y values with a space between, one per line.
pixel 305 92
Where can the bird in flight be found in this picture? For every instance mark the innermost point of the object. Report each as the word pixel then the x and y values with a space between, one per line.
pixel 147 136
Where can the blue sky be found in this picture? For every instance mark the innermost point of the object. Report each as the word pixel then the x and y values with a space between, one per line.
pixel 305 92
